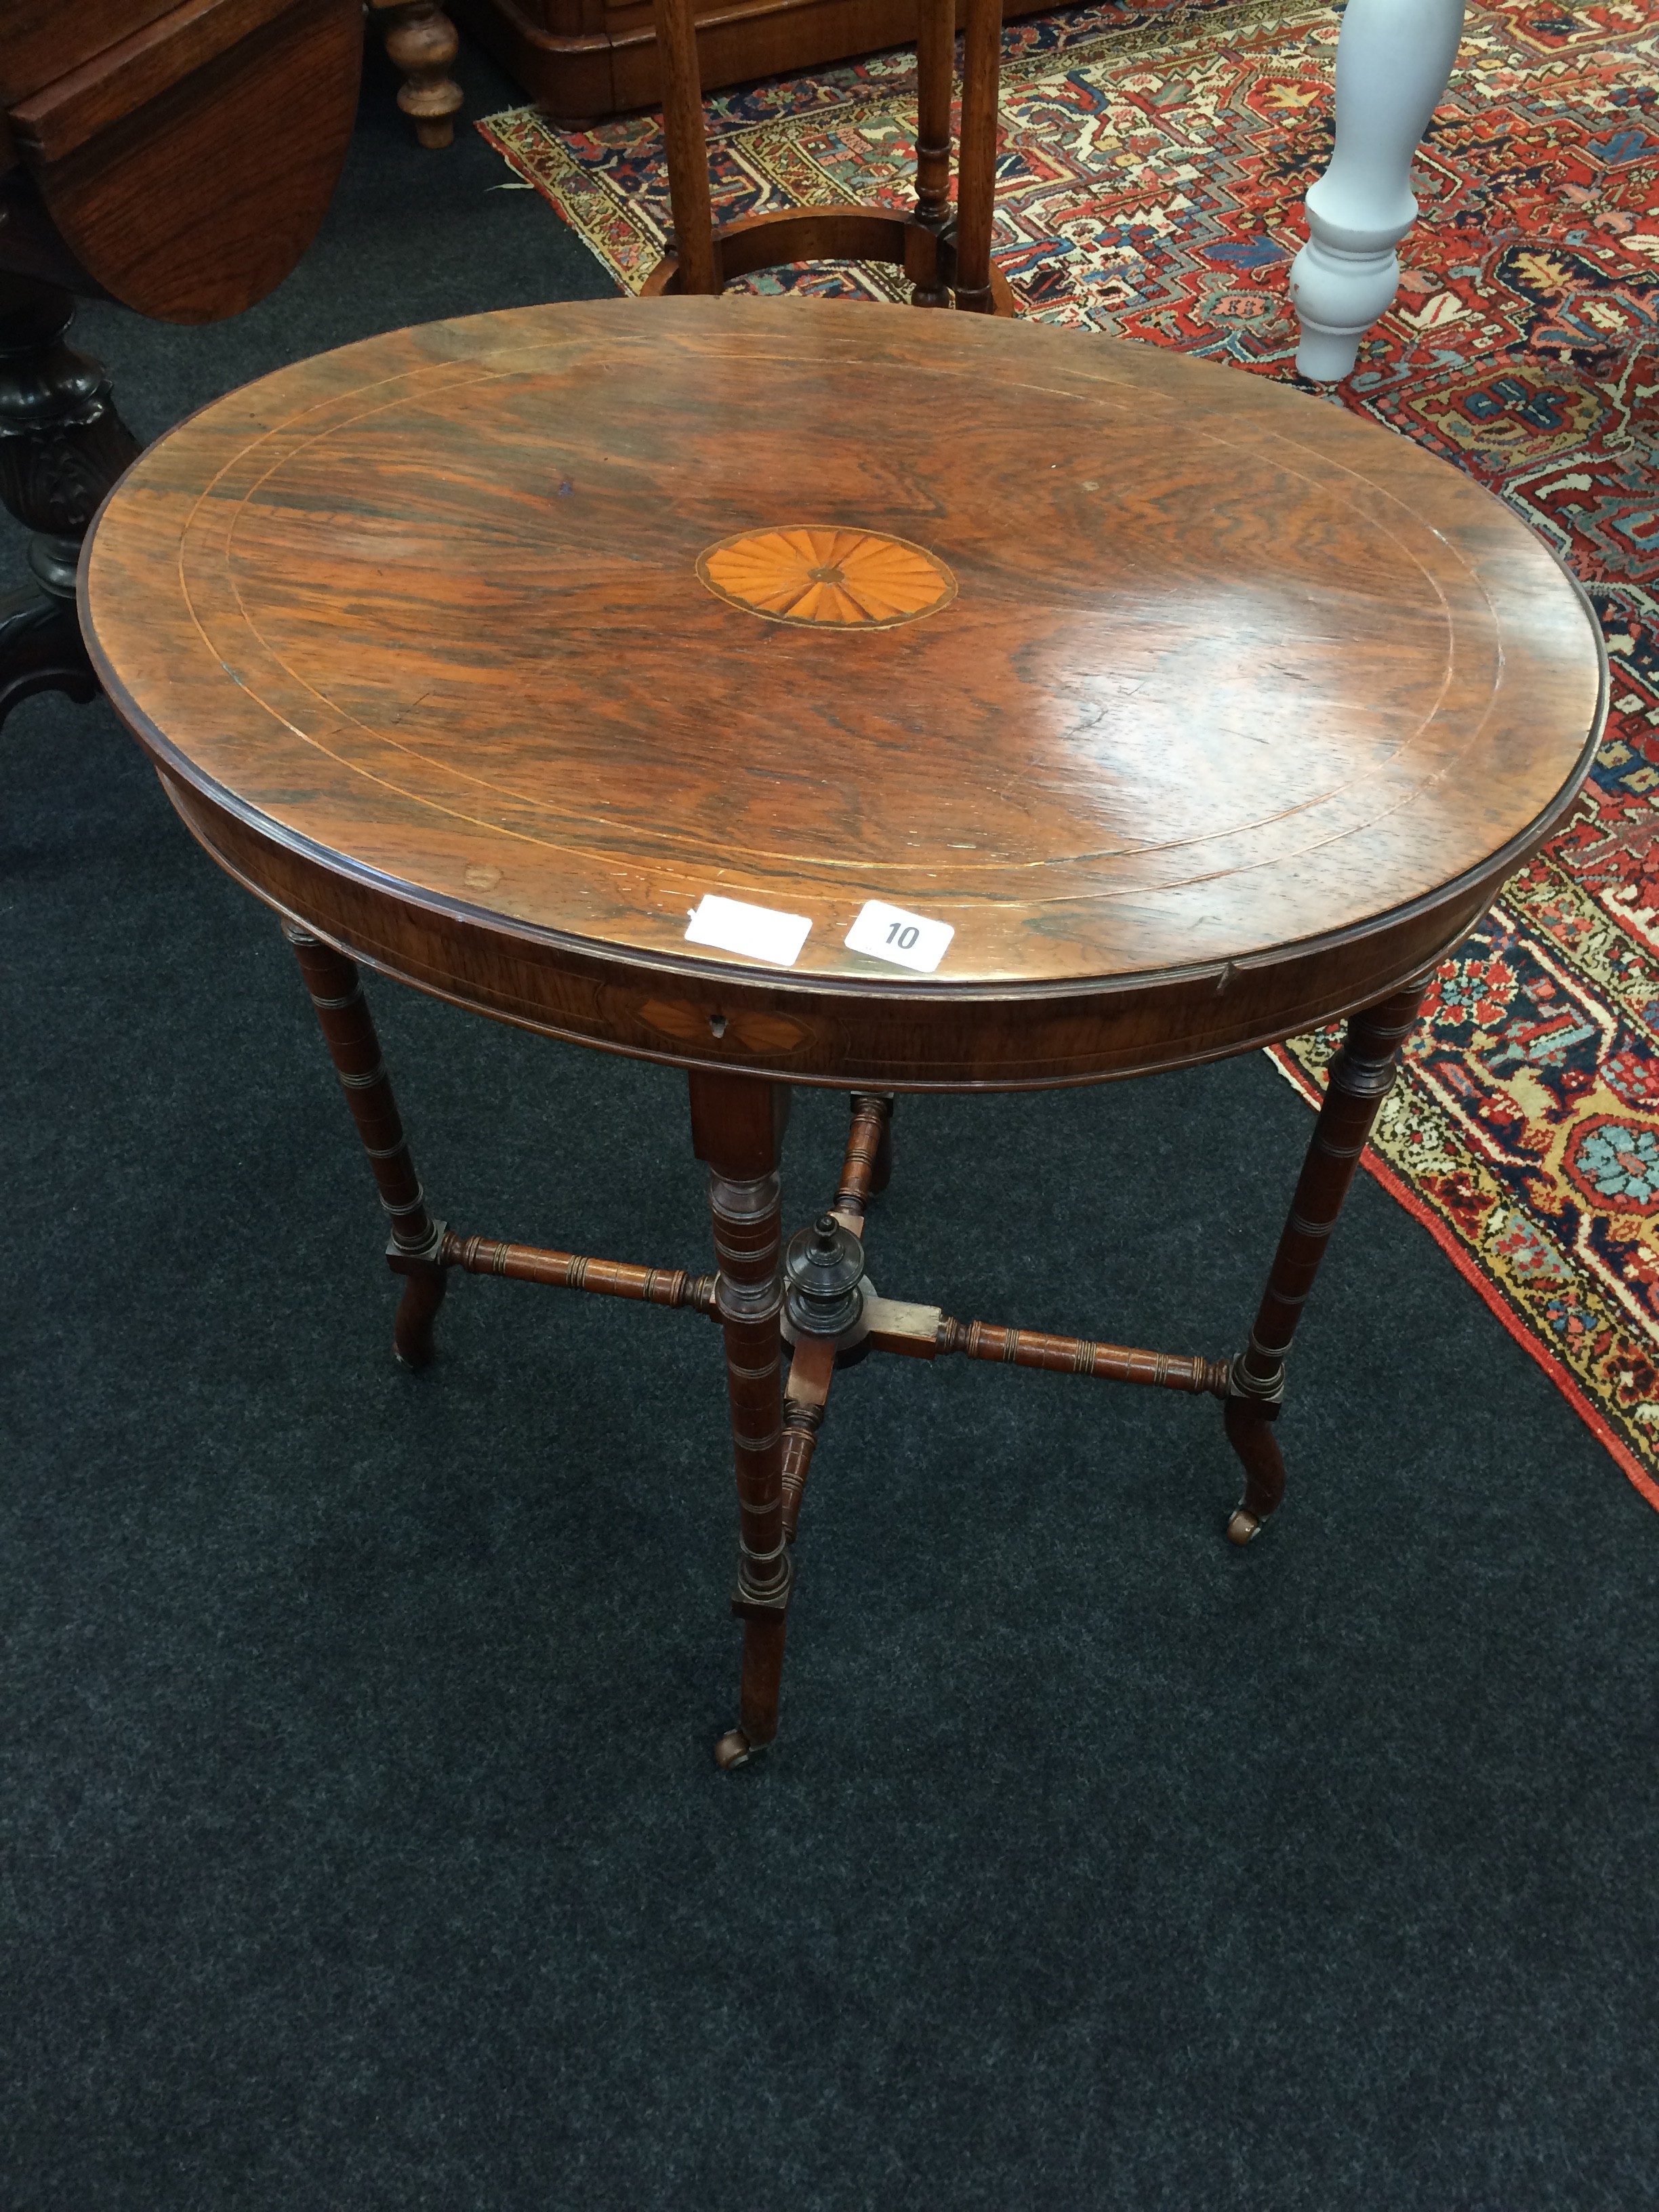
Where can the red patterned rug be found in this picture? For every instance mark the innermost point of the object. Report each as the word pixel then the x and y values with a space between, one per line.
pixel 1151 182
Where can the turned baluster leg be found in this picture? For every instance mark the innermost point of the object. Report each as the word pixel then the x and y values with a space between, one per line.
pixel 736 1126
pixel 936 70
pixel 421 41
pixel 336 993
pixel 1393 59
pixel 867 1164
pixel 977 177
pixel 1361 1076
pixel 62 447
pixel 687 143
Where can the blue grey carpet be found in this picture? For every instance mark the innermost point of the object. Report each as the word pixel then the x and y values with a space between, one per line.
pixel 363 1845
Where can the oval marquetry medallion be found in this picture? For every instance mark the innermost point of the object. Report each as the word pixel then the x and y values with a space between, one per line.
pixel 827 578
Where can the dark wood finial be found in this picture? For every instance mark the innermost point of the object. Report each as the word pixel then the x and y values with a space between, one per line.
pixel 421 41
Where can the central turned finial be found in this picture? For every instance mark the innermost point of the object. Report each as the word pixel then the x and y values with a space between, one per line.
pixel 822 1272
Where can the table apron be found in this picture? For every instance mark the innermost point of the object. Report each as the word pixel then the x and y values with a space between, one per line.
pixel 1022 1039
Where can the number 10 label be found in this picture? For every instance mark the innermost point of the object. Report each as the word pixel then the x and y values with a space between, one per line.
pixel 908 940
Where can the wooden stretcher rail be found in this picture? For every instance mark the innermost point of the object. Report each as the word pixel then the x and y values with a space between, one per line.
pixel 1075 1355
pixel 926 1332
pixel 573 1271
pixel 915 1332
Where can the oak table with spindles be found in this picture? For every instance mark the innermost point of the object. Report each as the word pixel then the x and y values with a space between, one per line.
pixel 1183 711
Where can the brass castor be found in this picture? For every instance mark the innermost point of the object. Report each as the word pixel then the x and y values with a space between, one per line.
pixel 733 1749
pixel 1242 1527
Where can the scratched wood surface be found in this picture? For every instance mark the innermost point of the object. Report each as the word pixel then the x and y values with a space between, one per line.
pixel 1237 710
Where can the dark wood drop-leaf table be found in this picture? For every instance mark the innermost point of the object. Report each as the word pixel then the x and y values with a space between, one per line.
pixel 801 691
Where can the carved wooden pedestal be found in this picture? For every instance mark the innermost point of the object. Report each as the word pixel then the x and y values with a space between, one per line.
pixel 176 159
pixel 61 445
pixel 1011 709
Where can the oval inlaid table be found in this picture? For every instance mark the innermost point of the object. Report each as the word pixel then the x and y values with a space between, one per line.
pixel 809 692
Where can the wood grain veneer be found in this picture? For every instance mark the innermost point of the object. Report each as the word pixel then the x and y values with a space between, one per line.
pixel 1241 712
pixel 185 155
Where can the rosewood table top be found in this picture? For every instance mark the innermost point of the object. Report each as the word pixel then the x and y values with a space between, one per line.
pixel 1197 708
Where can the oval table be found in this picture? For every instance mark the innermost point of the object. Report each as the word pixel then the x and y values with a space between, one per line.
pixel 801 691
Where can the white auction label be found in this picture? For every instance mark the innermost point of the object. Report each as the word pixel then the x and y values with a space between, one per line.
pixel 760 931
pixel 908 940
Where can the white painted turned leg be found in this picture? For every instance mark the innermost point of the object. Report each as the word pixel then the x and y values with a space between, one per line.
pixel 1393 59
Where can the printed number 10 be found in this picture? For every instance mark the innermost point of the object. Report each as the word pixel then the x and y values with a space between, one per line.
pixel 903 934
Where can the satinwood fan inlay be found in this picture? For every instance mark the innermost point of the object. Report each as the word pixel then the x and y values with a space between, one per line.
pixel 826 578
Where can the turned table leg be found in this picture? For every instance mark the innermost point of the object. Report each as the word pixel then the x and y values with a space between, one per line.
pixel 976 165
pixel 867 1164
pixel 62 447
pixel 736 1126
pixel 1361 1076
pixel 936 70
pixel 685 136
pixel 1393 59
pixel 421 41
pixel 336 993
